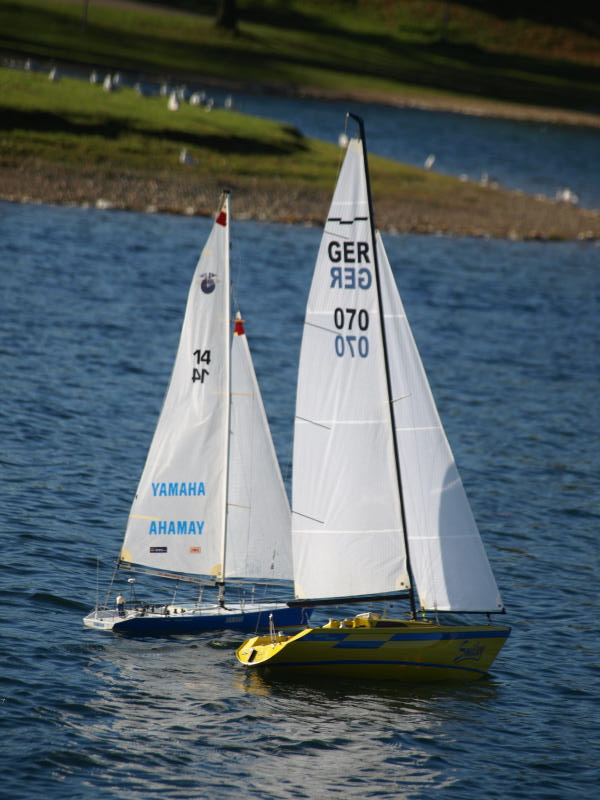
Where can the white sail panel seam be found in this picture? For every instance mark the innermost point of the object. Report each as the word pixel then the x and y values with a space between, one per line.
pixel 344 530
pixel 420 428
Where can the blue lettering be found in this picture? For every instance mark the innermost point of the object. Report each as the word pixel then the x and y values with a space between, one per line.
pixel 349 278
pixel 364 278
pixel 172 528
pixel 178 489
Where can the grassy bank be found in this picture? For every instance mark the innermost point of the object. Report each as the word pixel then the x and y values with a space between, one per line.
pixel 400 52
pixel 71 142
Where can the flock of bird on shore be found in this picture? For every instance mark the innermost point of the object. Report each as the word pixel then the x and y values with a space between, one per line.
pixel 179 95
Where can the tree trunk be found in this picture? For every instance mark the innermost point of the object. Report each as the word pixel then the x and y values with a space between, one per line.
pixel 227 15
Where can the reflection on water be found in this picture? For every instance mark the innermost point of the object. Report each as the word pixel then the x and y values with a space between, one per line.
pixel 179 703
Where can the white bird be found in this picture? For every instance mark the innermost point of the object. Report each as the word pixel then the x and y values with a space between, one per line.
pixel 429 161
pixel 54 74
pixel 173 104
pixel 228 101
pixel 164 89
pixel 186 158
pixel 197 98
pixel 107 84
pixel 343 141
pixel 567 196
pixel 93 76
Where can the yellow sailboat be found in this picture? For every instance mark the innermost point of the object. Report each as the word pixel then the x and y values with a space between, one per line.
pixel 378 508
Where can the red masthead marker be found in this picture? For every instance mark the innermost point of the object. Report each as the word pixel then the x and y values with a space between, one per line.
pixel 238 329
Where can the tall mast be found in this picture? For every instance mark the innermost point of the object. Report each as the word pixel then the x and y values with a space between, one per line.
pixel 227 399
pixel 361 128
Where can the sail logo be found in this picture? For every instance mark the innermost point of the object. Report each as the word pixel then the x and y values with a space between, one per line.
pixel 208 282
pixel 346 253
pixel 469 652
pixel 178 489
pixel 181 527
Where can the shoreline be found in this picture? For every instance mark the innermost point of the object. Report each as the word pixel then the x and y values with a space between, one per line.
pixel 475 212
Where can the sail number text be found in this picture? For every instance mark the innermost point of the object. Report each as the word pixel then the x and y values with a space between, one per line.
pixel 353 324
pixel 199 372
pixel 344 254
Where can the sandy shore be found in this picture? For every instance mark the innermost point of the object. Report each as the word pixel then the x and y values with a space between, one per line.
pixel 471 212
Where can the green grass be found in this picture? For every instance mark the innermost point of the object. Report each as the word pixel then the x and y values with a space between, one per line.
pixel 339 44
pixel 74 123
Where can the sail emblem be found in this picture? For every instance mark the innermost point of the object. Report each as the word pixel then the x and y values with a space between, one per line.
pixel 208 282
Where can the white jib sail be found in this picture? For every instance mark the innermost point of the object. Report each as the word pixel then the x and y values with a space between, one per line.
pixel 448 560
pixel 346 524
pixel 258 511
pixel 177 520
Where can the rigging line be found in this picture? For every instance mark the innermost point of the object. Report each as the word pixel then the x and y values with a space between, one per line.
pixel 306 516
pixel 319 327
pixel 312 422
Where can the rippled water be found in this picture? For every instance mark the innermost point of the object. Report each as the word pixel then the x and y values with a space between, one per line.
pixel 91 307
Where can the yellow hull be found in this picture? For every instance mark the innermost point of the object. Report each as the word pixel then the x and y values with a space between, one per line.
pixel 384 649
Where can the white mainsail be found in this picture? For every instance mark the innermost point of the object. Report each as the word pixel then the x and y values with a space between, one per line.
pixel 346 524
pixel 348 536
pixel 180 520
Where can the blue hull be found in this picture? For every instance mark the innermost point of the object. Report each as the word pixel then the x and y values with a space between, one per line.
pixel 191 623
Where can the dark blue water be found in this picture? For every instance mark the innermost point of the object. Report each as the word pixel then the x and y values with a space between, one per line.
pixel 91 307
